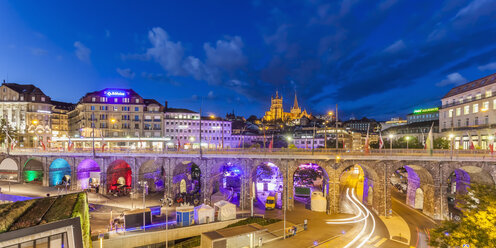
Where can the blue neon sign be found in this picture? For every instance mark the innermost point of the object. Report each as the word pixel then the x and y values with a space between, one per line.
pixel 115 93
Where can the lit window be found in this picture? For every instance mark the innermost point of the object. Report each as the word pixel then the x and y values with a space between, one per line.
pixel 475 108
pixel 461 100
pixel 42 98
pixel 458 111
pixel 485 106
pixel 115 99
pixel 489 93
pixel 33 98
pixel 466 110
pixel 469 98
pixel 450 113
pixel 137 100
pixel 478 96
pixel 93 99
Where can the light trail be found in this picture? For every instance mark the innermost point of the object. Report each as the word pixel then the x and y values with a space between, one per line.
pixel 362 211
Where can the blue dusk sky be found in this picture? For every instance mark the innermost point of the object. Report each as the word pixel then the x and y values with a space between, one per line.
pixel 378 59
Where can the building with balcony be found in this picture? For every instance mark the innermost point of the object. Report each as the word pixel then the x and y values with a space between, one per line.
pixel 60 118
pixel 468 113
pixel 363 125
pixel 28 110
pixel 421 115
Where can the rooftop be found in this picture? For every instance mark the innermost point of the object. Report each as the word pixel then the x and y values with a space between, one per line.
pixel 180 110
pixel 481 82
pixel 24 88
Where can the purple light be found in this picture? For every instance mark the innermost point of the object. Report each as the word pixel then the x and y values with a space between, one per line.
pixel 84 170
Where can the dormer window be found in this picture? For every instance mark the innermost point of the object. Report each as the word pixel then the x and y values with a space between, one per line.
pixel 125 100
pixel 33 98
pixel 137 100
pixel 42 98
pixel 93 99
pixel 22 98
pixel 115 99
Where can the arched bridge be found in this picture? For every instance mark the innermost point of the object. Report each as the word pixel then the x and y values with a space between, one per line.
pixel 430 180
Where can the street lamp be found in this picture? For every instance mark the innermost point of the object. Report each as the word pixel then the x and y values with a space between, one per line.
pixel 289 138
pixel 451 136
pixel 144 185
pixel 407 139
pixel 391 143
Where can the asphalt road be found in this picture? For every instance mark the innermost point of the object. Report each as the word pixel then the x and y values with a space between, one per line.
pixel 419 223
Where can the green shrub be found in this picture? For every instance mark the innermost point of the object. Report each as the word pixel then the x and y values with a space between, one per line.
pixel 61 209
pixel 12 213
pixel 33 216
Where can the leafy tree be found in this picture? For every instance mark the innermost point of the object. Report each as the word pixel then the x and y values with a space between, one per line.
pixel 291 146
pixel 252 118
pixel 478 224
pixel 4 129
pixel 441 143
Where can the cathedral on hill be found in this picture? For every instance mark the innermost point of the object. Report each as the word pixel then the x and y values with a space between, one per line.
pixel 276 112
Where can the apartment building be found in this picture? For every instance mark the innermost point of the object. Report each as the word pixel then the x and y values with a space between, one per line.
pixel 468 113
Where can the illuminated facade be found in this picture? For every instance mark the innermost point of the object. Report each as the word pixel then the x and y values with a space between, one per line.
pixel 28 110
pixel 468 113
pixel 276 112
pixel 110 112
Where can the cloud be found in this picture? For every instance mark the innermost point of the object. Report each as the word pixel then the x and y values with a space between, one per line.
pixel 167 53
pixel 82 52
pixel 126 73
pixel 488 67
pixel 159 77
pixel 227 54
pixel 452 79
pixel 395 47
pixel 38 51
pixel 472 7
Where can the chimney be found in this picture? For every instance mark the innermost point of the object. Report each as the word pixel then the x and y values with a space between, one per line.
pixel 165 105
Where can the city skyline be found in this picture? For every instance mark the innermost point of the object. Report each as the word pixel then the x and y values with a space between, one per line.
pixel 243 53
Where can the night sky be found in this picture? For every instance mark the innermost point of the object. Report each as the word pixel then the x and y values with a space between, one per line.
pixel 378 59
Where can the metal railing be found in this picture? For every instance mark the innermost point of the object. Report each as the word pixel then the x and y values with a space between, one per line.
pixel 264 151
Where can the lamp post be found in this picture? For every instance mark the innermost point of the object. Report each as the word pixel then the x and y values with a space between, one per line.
pixel 337 139
pixel 144 185
pixel 391 143
pixel 451 138
pixel 407 139
pixel 325 131
pixel 289 140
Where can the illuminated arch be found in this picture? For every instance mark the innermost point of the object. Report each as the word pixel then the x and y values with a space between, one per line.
pixel 33 171
pixel 87 169
pixel 59 171
pixel 119 169
pixel 8 170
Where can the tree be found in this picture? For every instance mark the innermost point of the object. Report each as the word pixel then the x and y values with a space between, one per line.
pixel 441 143
pixel 4 129
pixel 478 224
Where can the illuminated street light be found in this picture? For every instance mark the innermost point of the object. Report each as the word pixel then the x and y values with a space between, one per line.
pixel 35 122
pixel 289 138
pixel 451 136
pixel 212 116
pixel 113 120
pixel 407 139
pixel 192 139
pixel 491 137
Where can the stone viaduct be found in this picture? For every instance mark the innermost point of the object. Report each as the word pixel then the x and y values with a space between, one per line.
pixel 427 173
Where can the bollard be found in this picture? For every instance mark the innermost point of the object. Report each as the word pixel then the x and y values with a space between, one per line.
pixel 305 224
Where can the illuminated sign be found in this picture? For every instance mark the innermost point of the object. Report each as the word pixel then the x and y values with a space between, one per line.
pixel 424 111
pixel 114 93
pixel 43 111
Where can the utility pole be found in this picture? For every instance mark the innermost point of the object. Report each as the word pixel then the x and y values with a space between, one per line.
pixel 201 153
pixel 337 139
pixel 93 132
pixel 313 138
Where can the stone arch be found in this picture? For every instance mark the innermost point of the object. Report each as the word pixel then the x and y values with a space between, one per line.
pixel 465 175
pixel 119 175
pixel 371 180
pixel 419 177
pixel 186 182
pixel 309 178
pixel 33 171
pixel 153 174
pixel 226 181
pixel 267 179
pixel 59 172
pixel 88 173
pixel 9 170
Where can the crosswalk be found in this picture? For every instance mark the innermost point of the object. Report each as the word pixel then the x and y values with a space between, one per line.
pixel 377 241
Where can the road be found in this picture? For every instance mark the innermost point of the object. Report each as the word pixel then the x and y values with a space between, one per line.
pixel 418 223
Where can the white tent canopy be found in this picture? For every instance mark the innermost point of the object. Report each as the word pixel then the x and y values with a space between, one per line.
pixel 318 202
pixel 8 164
pixel 204 214
pixel 227 210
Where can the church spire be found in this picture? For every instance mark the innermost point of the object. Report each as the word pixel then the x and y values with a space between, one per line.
pixel 295 106
pixel 277 94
